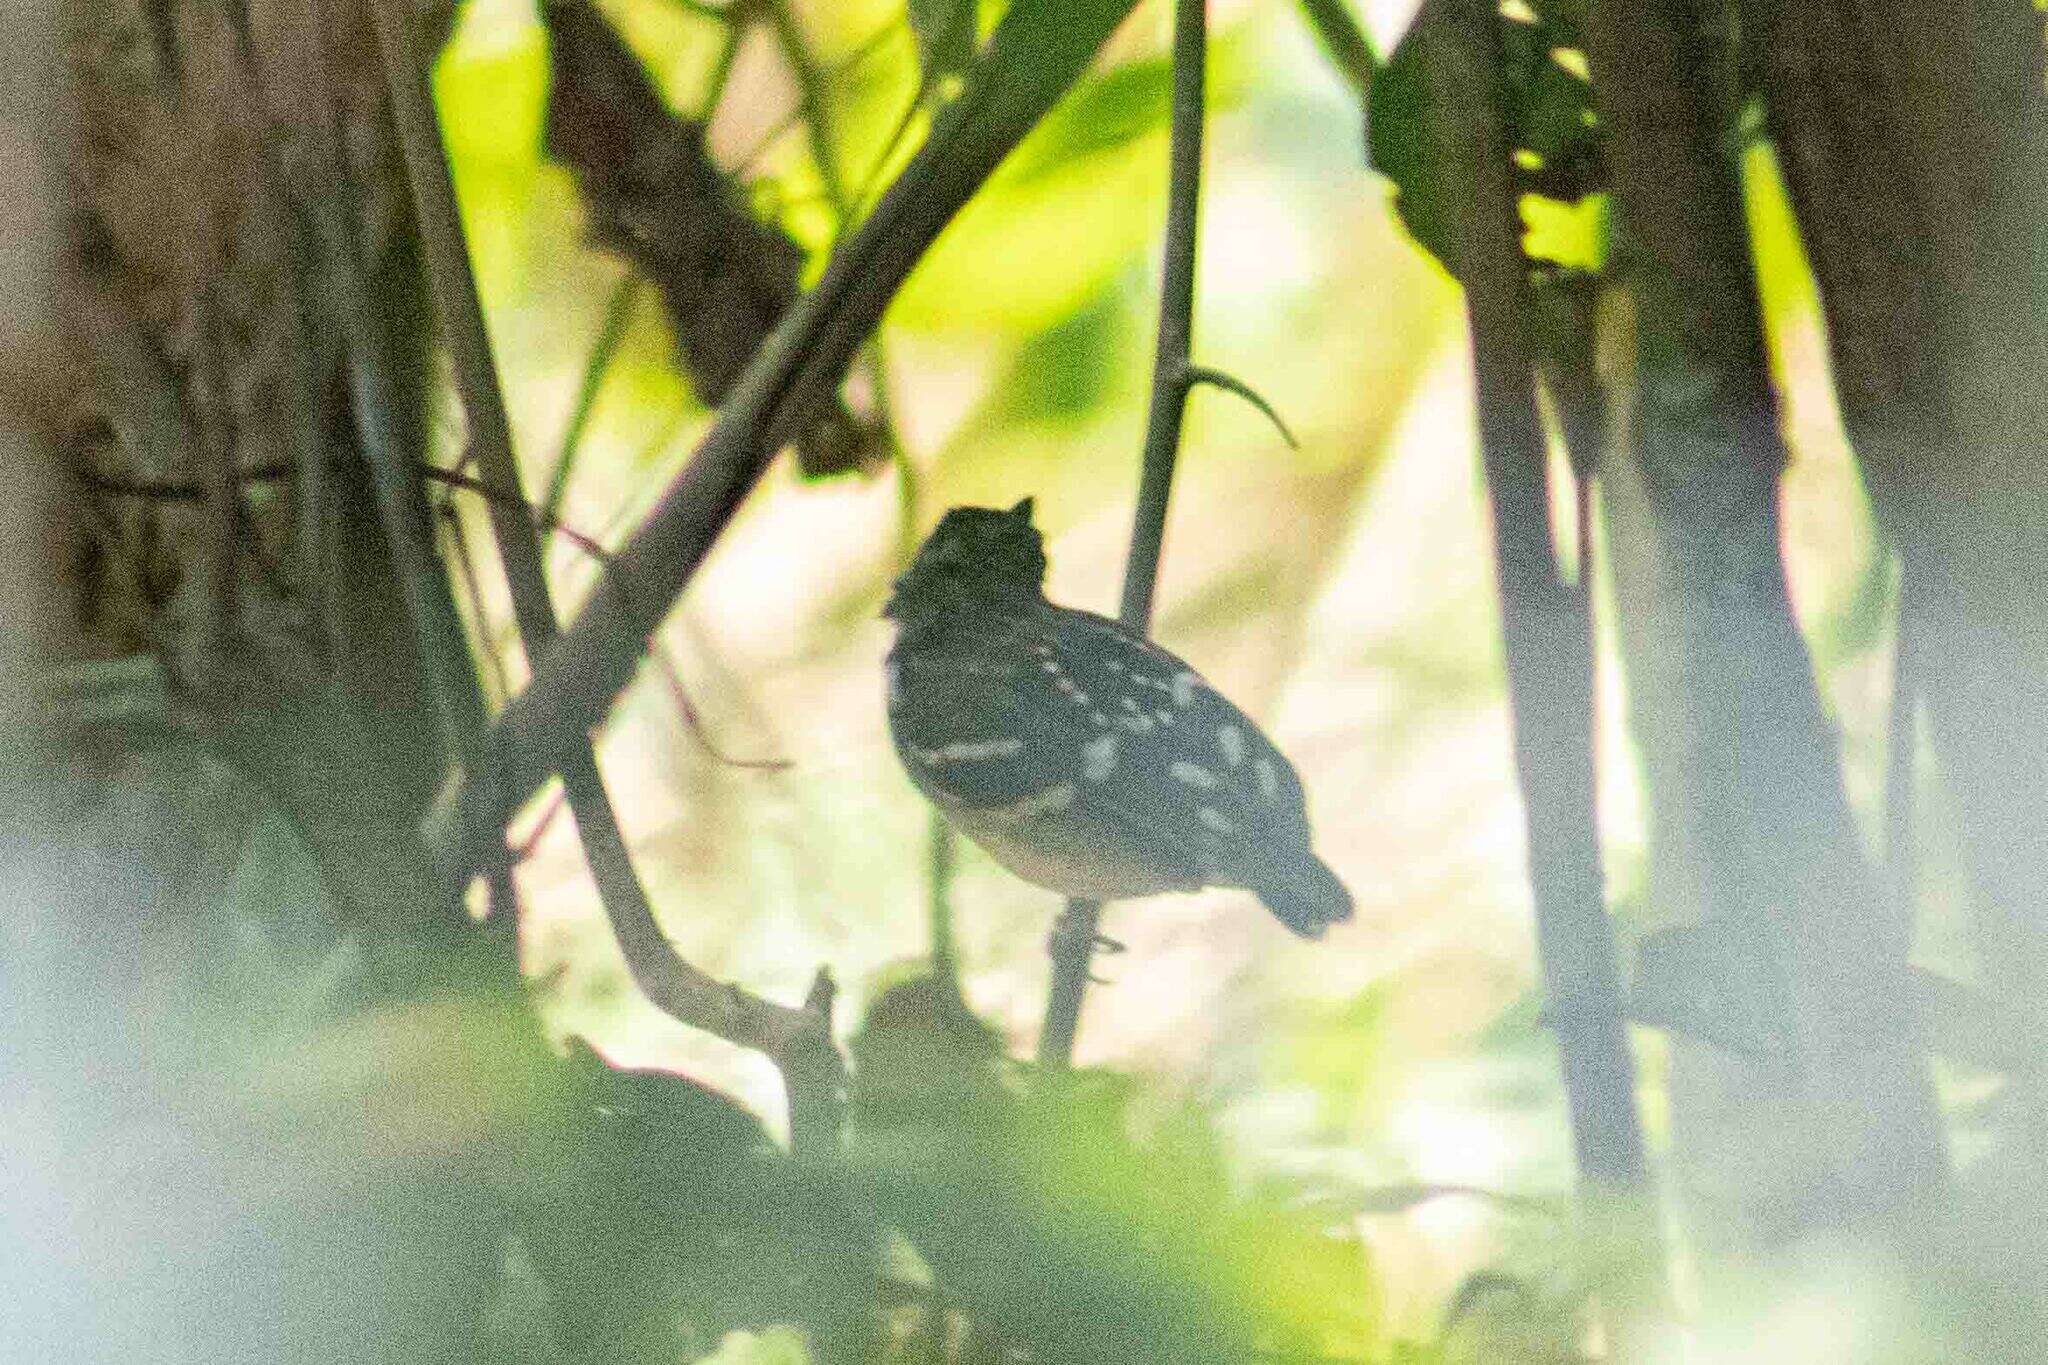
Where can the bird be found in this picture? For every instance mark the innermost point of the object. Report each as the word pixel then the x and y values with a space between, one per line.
pixel 1079 755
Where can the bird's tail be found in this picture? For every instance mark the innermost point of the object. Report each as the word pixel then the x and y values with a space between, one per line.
pixel 1305 895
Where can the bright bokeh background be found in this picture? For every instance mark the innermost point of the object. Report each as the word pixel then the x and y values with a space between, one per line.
pixel 1342 593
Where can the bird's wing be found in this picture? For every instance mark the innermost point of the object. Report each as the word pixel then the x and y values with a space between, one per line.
pixel 977 724
pixel 1063 726
pixel 1164 755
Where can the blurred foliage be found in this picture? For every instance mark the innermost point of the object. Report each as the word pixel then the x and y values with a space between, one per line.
pixel 1034 1201
pixel 1546 102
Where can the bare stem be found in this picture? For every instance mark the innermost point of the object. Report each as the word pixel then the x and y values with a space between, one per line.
pixel 617 313
pixel 798 1041
pixel 1345 42
pixel 1547 632
pixel 814 94
pixel 1072 946
pixel 374 389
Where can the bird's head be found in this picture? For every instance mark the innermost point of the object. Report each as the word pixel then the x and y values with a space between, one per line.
pixel 975 557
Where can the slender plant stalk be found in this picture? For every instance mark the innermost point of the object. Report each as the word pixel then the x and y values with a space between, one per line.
pixel 814 93
pixel 939 863
pixel 401 498
pixel 815 103
pixel 1547 630
pixel 1346 44
pixel 1036 54
pixel 463 561
pixel 798 1041
pixel 617 313
pixel 721 70
pixel 1072 946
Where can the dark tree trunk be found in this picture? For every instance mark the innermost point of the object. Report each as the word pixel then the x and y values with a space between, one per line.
pixel 1831 1125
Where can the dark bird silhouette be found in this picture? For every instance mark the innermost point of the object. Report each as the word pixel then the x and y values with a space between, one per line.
pixel 1083 758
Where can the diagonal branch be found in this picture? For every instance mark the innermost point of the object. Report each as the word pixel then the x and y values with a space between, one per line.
pixel 1038 51
pixel 798 1041
pixel 374 386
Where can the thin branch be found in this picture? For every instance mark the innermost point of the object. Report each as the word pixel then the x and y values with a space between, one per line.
pixel 1547 634
pixel 796 113
pixel 192 490
pixel 1344 42
pixel 1547 631
pixel 169 490
pixel 1037 53
pixel 694 722
pixel 472 584
pixel 594 549
pixel 724 13
pixel 721 70
pixel 374 389
pixel 1073 941
pixel 1230 383
pixel 815 99
pixel 940 849
pixel 1172 358
pixel 799 1042
pixel 462 322
pixel 469 483
pixel 617 313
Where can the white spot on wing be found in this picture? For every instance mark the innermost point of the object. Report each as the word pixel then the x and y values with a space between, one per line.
pixel 1049 801
pixel 1184 684
pixel 1230 740
pixel 1098 758
pixel 1216 820
pixel 969 751
pixel 1269 778
pixel 1194 774
pixel 894 673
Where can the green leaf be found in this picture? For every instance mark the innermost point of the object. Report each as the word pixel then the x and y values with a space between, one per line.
pixel 1572 235
pixel 1066 371
pixel 1403 138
